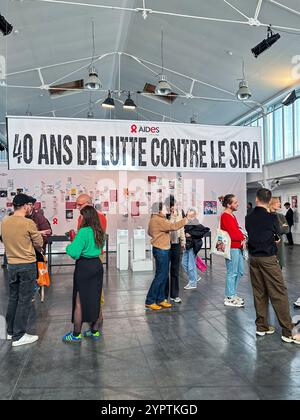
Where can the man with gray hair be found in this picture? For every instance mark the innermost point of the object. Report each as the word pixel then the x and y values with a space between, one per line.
pixel 194 233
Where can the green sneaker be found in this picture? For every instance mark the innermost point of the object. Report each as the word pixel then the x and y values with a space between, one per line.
pixel 70 338
pixel 93 336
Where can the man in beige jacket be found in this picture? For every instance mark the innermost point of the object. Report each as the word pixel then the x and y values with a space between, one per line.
pixel 159 229
pixel 21 238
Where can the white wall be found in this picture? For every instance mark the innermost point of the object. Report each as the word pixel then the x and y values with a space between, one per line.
pixel 52 187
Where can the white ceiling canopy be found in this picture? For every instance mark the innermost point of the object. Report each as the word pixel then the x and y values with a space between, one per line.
pixel 205 43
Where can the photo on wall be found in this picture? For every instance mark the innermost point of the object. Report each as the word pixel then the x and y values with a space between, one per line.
pixel 210 208
pixel 69 214
pixel 3 193
pixel 294 201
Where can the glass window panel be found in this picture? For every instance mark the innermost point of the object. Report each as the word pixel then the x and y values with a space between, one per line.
pixel 278 134
pixel 288 131
pixel 260 123
pixel 297 127
pixel 270 144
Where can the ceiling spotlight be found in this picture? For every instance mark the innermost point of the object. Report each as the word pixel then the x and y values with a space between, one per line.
pixel 5 27
pixel 163 88
pixel 109 102
pixel 266 43
pixel 93 82
pixel 129 104
pixel 290 98
pixel 243 92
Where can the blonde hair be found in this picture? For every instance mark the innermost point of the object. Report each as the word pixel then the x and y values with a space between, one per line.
pixel 272 203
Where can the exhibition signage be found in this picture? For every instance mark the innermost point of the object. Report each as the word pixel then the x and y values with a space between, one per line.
pixel 84 144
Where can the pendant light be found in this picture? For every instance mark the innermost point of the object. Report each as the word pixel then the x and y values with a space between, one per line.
pixel 163 87
pixel 93 82
pixel 109 102
pixel 243 92
pixel 129 103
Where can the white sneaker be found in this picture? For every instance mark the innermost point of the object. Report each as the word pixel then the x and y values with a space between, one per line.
pixel 297 303
pixel 176 300
pixel 8 337
pixel 189 286
pixel 233 303
pixel 26 339
pixel 239 299
pixel 289 340
pixel 270 331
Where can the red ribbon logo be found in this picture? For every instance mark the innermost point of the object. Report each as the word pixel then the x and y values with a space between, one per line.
pixel 55 221
pixel 134 128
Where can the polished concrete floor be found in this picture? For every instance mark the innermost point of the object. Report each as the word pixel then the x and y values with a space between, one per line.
pixel 197 350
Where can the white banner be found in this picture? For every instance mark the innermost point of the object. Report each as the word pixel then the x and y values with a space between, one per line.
pixel 57 143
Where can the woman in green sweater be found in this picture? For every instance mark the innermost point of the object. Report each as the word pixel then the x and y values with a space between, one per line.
pixel 88 276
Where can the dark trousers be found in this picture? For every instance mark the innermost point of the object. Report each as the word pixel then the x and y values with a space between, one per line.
pixel 156 292
pixel 290 236
pixel 22 278
pixel 172 285
pixel 268 283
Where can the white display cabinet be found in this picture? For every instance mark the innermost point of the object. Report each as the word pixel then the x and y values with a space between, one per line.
pixel 122 249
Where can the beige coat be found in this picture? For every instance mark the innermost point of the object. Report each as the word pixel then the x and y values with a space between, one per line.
pixel 159 229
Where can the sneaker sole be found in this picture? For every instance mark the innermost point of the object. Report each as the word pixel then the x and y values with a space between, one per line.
pixel 231 305
pixel 289 340
pixel 264 333
pixel 16 344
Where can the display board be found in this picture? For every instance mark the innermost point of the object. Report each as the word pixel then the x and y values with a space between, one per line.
pixel 70 144
pixel 125 197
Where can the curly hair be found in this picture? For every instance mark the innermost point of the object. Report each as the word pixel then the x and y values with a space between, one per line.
pixel 227 200
pixel 90 218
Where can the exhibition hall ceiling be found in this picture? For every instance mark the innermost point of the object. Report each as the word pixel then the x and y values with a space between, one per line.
pixel 52 43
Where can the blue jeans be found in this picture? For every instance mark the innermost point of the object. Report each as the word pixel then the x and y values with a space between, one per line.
pixel 156 292
pixel 22 278
pixel 189 266
pixel 235 270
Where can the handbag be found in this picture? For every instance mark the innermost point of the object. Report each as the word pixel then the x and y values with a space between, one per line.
pixel 43 274
pixel 200 264
pixel 221 244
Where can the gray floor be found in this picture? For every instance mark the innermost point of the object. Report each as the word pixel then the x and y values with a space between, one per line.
pixel 198 350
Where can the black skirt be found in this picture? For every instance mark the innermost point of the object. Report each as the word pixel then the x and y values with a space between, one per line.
pixel 88 281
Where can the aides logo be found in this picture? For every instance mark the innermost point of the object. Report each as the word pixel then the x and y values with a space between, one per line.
pixel 135 129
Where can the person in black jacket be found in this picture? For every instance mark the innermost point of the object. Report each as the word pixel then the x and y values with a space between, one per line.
pixel 266 276
pixel 290 220
pixel 194 233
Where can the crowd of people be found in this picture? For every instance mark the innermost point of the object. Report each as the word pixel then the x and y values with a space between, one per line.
pixel 175 237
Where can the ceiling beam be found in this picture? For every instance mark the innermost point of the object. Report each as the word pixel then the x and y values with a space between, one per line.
pixel 236 9
pixel 283 6
pixel 258 9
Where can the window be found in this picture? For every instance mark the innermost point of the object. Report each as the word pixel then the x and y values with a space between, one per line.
pixel 278 134
pixel 260 123
pixel 288 131
pixel 270 145
pixel 297 127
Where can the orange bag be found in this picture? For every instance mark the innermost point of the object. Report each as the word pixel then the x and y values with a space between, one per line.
pixel 43 275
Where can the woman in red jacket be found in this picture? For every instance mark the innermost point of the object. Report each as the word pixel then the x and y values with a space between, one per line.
pixel 235 266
